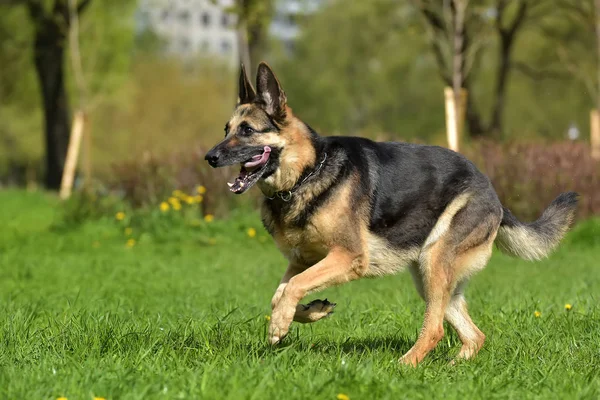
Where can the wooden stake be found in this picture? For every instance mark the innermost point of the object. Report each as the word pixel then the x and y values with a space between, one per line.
pixel 595 134
pixel 455 116
pixel 72 155
pixel 87 156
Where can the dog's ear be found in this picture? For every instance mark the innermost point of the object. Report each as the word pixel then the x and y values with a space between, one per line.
pixel 271 95
pixel 246 93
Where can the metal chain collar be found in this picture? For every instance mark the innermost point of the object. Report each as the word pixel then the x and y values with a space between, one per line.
pixel 286 195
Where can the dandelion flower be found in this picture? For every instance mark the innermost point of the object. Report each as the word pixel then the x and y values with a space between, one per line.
pixel 342 396
pixel 178 193
pixel 537 314
pixel 251 232
pixel 130 243
pixel 173 200
pixel 177 206
pixel 164 206
pixel 99 398
pixel 201 189
pixel 61 398
pixel 120 216
pixel 209 217
pixel 128 231
pixel 568 307
pixel 268 317
pixel 189 199
pixel 198 199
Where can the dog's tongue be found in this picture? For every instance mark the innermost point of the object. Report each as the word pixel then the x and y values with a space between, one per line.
pixel 259 159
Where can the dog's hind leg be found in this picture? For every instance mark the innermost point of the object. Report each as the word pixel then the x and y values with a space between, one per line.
pixel 471 337
pixel 457 315
pixel 432 276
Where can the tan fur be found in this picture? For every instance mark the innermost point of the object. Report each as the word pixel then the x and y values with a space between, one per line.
pixel 385 260
pixel 296 155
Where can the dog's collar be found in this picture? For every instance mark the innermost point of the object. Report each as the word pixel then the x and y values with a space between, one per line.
pixel 286 195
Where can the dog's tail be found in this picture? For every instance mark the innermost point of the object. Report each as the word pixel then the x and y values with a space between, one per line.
pixel 535 240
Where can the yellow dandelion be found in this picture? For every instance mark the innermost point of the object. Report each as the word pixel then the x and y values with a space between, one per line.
pixel 568 307
pixel 128 231
pixel 177 206
pixel 537 314
pixel 212 241
pixel 61 398
pixel 251 232
pixel 164 206
pixel 342 396
pixel 178 193
pixel 209 217
pixel 130 243
pixel 99 398
pixel 189 199
pixel 173 200
pixel 268 317
pixel 120 216
pixel 201 189
pixel 198 199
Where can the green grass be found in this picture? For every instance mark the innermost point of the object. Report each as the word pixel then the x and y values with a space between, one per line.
pixel 82 316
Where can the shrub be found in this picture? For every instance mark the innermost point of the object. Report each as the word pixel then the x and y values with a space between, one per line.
pixel 528 176
pixel 151 179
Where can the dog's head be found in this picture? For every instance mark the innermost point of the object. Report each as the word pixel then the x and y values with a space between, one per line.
pixel 263 137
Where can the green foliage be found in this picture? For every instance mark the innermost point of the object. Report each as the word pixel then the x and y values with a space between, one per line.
pixel 83 315
pixel 362 67
pixel 106 42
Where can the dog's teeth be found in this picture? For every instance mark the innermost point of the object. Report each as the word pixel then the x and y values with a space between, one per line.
pixel 229 184
pixel 241 184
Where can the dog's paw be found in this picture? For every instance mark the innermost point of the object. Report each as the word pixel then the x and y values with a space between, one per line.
pixel 322 306
pixel 276 334
pixel 314 311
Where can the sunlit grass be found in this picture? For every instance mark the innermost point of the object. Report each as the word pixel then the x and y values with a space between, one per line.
pixel 82 316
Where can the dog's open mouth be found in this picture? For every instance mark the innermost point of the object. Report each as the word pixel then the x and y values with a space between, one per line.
pixel 250 172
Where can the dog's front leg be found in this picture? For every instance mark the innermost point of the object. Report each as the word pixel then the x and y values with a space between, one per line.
pixel 292 270
pixel 339 266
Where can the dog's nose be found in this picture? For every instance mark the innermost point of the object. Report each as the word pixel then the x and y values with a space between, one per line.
pixel 212 157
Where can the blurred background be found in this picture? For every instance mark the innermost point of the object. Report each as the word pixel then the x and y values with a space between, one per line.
pixel 147 86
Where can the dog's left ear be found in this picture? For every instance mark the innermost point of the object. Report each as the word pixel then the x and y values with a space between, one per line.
pixel 270 93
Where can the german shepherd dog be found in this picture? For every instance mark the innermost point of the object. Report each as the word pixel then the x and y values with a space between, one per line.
pixel 344 208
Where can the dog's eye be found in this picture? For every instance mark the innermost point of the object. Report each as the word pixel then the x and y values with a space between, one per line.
pixel 248 130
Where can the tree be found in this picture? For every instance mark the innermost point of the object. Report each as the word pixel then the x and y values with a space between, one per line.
pixel 507 21
pixel 51 27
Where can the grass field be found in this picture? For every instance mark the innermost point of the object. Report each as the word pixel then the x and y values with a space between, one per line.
pixel 84 316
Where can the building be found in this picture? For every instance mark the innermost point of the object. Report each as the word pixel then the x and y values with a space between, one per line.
pixel 287 16
pixel 193 27
pixel 205 28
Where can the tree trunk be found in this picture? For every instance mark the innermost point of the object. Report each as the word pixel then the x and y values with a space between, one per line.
pixel 48 57
pixel 496 125
pixel 474 122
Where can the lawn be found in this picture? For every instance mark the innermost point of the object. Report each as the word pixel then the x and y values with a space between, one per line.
pixel 83 316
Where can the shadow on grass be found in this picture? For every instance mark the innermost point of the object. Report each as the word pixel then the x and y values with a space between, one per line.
pixel 364 345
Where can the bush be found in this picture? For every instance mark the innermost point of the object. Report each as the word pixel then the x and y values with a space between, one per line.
pixel 151 179
pixel 528 176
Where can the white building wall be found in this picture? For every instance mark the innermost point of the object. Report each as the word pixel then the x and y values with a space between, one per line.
pixel 193 27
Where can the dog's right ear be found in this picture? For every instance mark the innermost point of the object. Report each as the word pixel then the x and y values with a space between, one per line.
pixel 246 91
